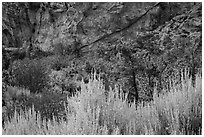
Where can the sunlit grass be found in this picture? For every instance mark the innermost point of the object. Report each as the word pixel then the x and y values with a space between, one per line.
pixel 95 111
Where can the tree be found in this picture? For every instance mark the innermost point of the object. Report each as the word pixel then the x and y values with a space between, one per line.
pixel 136 45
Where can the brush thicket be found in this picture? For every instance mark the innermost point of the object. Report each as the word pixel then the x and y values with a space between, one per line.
pixel 97 111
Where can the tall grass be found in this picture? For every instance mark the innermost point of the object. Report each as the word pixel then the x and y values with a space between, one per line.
pixel 95 111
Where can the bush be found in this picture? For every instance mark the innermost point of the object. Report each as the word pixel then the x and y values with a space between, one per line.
pixel 57 62
pixel 30 74
pixel 63 81
pixel 93 111
pixel 180 110
pixel 12 97
pixel 46 103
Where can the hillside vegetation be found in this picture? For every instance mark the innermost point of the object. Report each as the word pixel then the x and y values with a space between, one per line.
pixel 101 68
pixel 93 112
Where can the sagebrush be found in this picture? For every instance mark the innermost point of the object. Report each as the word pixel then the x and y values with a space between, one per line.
pixel 97 111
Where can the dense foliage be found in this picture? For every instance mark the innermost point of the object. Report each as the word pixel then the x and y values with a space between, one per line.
pixel 30 74
pixel 92 112
pixel 49 48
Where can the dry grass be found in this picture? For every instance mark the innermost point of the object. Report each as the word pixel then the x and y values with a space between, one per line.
pixel 95 111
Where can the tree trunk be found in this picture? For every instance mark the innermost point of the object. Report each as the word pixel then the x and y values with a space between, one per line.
pixel 151 86
pixel 159 86
pixel 135 86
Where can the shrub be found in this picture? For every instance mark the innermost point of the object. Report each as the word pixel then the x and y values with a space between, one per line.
pixel 94 111
pixel 11 98
pixel 180 110
pixel 46 103
pixel 30 74
pixel 57 62
pixel 63 81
